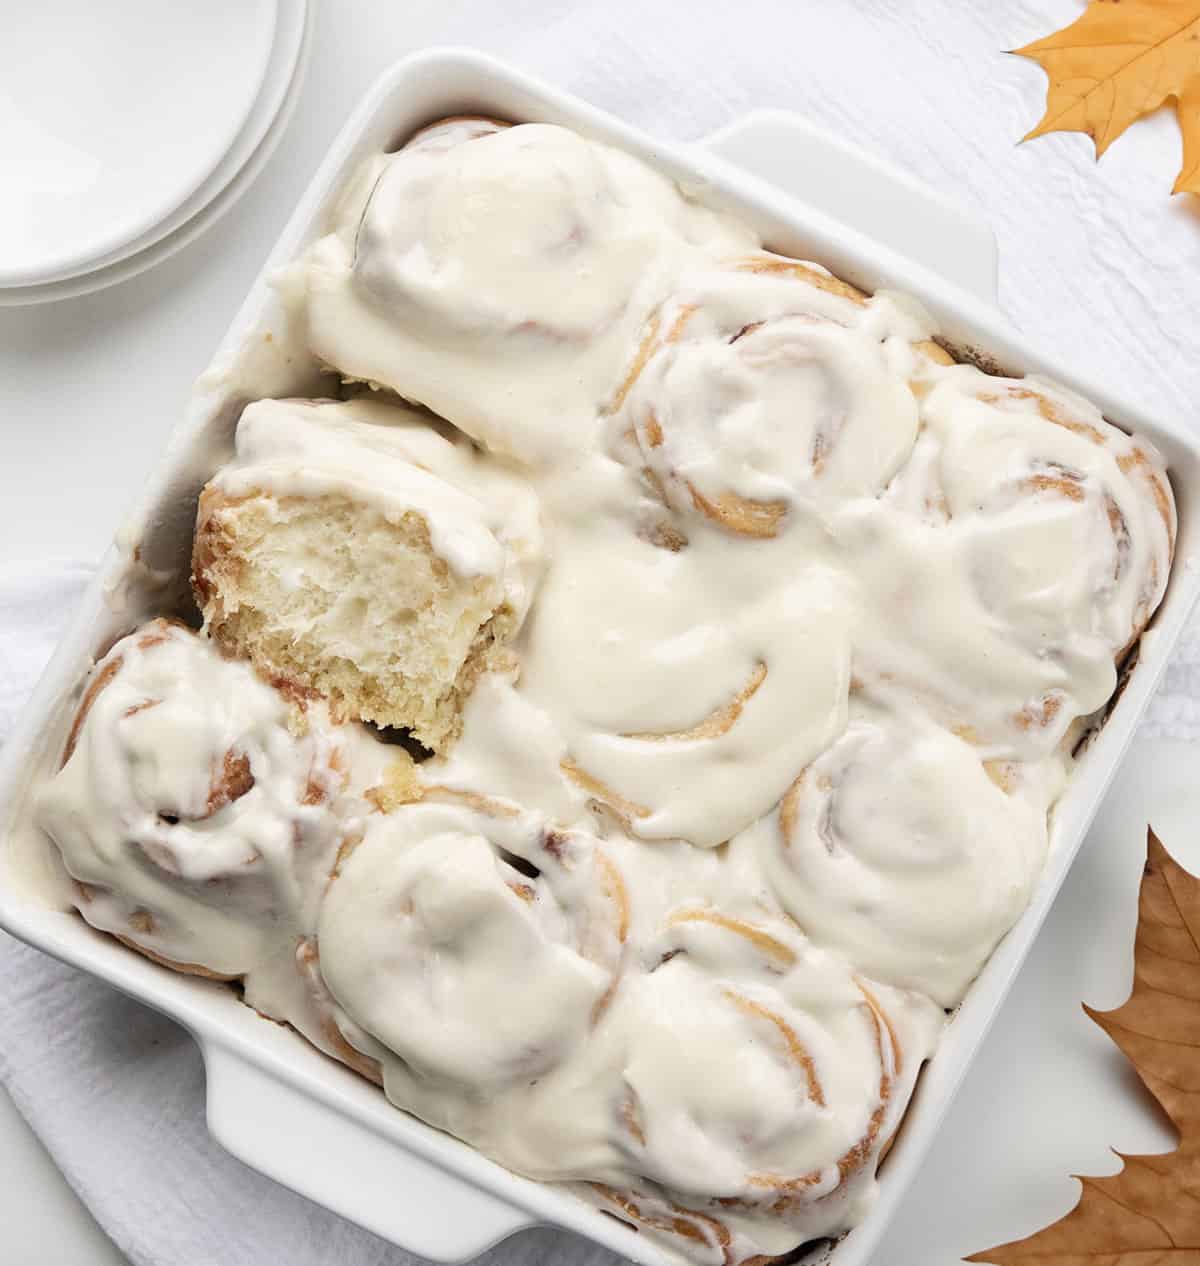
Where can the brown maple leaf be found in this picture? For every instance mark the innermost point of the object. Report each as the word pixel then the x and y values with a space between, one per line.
pixel 1119 60
pixel 1148 1214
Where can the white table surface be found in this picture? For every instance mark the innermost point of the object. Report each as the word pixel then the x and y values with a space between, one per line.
pixel 1095 260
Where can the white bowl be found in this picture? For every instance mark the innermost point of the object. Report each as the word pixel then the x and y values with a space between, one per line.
pixel 117 113
pixel 243 160
pixel 274 1101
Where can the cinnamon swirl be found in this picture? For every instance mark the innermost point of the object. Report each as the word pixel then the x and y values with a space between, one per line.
pixel 761 383
pixel 1035 523
pixel 494 273
pixel 445 906
pixel 730 1075
pixel 897 847
pixel 682 718
pixel 760 1083
pixel 198 827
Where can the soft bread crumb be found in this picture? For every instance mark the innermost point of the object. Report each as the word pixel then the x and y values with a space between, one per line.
pixel 329 597
pixel 400 785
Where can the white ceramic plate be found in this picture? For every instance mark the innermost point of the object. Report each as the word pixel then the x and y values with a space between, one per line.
pixel 233 175
pixel 114 113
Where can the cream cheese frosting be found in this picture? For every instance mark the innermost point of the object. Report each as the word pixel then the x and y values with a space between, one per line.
pixel 809 620
pixel 497 276
pixel 439 906
pixel 899 847
pixel 196 824
pixel 511 1028
pixel 481 518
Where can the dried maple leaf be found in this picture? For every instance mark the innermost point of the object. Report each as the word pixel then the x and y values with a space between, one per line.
pixel 1119 60
pixel 1149 1213
pixel 1188 108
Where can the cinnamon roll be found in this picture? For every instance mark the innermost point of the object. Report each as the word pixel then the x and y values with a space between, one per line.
pixel 328 1025
pixel 199 829
pixel 1033 522
pixel 353 552
pixel 898 848
pixel 475 945
pixel 1012 444
pixel 727 1085
pixel 766 382
pixel 492 273
pixel 760 1083
pixel 682 718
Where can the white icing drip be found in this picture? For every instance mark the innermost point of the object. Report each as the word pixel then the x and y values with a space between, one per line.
pixel 390 457
pixel 513 748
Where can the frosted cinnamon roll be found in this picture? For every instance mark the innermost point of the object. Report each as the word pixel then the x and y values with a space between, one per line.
pixel 898 848
pixel 199 829
pixel 761 1081
pixel 765 382
pixel 682 719
pixel 1031 457
pixel 491 273
pixel 352 552
pixel 475 945
pixel 1034 523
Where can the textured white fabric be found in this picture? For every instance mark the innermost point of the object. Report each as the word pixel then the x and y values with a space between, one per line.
pixel 36 600
pixel 1097 262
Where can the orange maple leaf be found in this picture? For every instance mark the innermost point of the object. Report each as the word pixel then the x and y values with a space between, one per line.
pixel 1119 60
pixel 1188 109
pixel 1148 1214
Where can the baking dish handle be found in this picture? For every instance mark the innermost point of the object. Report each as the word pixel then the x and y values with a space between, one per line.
pixel 857 188
pixel 345 1165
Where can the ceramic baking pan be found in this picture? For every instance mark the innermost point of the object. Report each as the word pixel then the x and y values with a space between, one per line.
pixel 274 1101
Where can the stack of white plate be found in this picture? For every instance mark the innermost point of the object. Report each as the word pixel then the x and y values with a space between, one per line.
pixel 128 127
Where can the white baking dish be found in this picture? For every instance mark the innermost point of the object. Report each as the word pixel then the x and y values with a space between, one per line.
pixel 272 1100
